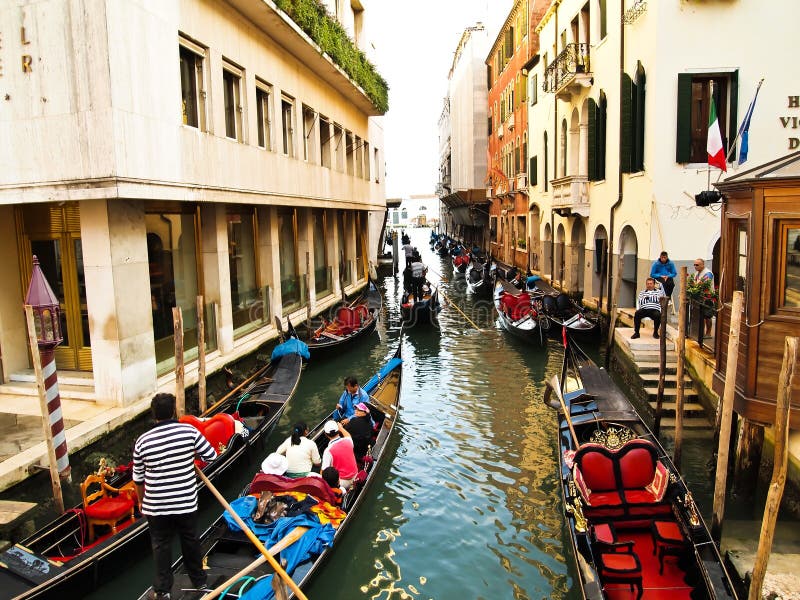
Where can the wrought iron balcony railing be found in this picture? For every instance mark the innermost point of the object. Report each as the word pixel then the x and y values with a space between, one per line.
pixel 574 59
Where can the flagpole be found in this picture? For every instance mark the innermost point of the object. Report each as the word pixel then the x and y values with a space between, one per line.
pixel 738 133
pixel 708 166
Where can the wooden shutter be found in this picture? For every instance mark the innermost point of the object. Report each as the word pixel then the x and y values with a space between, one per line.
pixel 626 124
pixel 733 94
pixel 683 144
pixel 602 114
pixel 638 154
pixel 533 171
pixel 592 140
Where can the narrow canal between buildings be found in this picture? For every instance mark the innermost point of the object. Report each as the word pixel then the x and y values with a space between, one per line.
pixel 467 504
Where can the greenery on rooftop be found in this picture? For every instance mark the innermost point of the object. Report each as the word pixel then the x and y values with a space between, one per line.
pixel 312 17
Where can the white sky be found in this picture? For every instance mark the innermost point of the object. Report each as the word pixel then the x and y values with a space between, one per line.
pixel 414 45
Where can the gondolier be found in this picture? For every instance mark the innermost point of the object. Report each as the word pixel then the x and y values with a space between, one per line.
pixel 163 471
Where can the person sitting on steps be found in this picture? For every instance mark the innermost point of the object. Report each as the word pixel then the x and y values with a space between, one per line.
pixel 648 306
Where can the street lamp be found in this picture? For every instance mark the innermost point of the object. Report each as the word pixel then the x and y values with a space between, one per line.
pixel 44 321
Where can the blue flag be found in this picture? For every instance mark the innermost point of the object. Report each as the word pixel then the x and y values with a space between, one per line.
pixel 744 129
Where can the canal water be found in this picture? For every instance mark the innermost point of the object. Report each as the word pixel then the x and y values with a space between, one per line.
pixel 466 505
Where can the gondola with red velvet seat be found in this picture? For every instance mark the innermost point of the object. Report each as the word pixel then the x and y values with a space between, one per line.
pixel 634 528
pixel 516 313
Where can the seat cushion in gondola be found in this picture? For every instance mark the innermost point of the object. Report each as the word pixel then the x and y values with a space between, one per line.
pixel 346 319
pixel 516 307
pixel 615 482
pixel 218 430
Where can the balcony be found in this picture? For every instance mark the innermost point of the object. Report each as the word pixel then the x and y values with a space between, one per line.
pixel 500 131
pixel 569 72
pixel 571 195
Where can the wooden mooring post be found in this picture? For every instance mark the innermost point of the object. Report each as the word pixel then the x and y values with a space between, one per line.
pixel 681 351
pixel 180 394
pixel 201 356
pixel 775 493
pixel 662 363
pixel 612 323
pixel 726 412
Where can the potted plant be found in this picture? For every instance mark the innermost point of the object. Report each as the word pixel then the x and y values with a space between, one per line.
pixel 704 295
pixel 521 244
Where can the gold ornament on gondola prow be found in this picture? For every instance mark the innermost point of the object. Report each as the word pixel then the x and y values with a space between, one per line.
pixel 613 437
pixel 104 469
pixel 576 510
pixel 691 508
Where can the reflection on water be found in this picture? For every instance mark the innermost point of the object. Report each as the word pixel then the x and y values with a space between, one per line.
pixel 468 506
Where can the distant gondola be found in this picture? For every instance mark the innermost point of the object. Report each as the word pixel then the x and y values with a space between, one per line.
pixel 62 561
pixel 634 529
pixel 352 321
pixel 480 277
pixel 227 550
pixel 517 314
pixel 421 311
pixel 460 264
pixel 561 310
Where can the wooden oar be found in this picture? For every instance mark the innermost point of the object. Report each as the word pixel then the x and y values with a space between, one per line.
pixel 556 386
pixel 252 536
pixel 290 538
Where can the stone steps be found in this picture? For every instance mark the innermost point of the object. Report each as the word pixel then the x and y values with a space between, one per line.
pixel 66 391
pixel 688 407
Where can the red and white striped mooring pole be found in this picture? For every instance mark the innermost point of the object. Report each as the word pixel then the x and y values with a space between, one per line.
pixel 43 314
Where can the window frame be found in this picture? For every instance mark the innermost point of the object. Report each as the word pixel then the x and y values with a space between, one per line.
pixel 200 77
pixel 782 227
pixel 236 73
pixel 287 128
pixel 264 91
pixel 727 113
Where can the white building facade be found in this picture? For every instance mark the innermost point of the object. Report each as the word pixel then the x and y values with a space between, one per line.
pixel 615 164
pixel 164 150
pixel 463 139
pixel 418 210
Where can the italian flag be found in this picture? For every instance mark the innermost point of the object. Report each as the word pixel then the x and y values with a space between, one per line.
pixel 716 153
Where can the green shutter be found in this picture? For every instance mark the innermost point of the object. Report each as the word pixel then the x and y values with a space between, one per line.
pixel 602 112
pixel 626 124
pixel 683 145
pixel 733 93
pixel 638 161
pixel 593 140
pixel 533 172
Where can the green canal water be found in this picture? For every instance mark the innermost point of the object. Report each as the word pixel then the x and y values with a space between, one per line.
pixel 466 505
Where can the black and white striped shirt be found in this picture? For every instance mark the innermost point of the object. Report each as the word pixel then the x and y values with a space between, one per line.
pixel 163 459
pixel 650 299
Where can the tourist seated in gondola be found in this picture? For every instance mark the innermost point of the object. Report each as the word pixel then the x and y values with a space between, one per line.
pixel 301 452
pixel 418 271
pixel 331 477
pixel 352 395
pixel 361 429
pixel 339 453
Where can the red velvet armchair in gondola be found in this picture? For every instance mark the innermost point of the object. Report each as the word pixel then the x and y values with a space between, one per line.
pixel 516 307
pixel 106 505
pixel 627 481
pixel 346 319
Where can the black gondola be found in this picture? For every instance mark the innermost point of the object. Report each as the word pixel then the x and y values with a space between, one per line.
pixel 423 311
pixel 562 311
pixel 517 314
pixel 58 561
pixel 633 525
pixel 480 277
pixel 227 550
pixel 460 264
pixel 352 321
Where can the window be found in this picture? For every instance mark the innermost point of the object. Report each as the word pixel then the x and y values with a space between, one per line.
pixel 489 127
pixel 603 20
pixel 243 267
pixel 290 279
pixel 544 170
pixel 366 160
pixel 789 264
pixel 322 273
pixel 517 166
pixel 349 149
pixel 395 217
pixel 493 229
pixel 325 138
pixel 309 137
pixel 632 134
pixel 338 148
pixel 509 45
pixel 694 101
pixel 563 148
pixel 740 241
pixel 287 122
pixel 264 114
pixel 359 157
pixel 377 167
pixel 488 77
pixel 534 89
pixel 533 174
pixel 597 138
pixel 403 214
pixel 193 93
pixel 232 83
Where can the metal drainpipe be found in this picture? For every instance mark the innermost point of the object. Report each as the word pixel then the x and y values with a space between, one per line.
pixel 555 161
pixel 610 261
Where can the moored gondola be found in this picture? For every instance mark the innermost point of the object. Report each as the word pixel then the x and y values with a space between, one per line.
pixel 228 551
pixel 480 276
pixel 422 311
pixel 351 321
pixel 562 311
pixel 517 314
pixel 61 560
pixel 460 264
pixel 633 525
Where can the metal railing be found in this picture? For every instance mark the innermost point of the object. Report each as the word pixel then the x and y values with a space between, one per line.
pixel 573 59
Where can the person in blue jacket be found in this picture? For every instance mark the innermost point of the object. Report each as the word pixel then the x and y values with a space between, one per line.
pixel 352 395
pixel 663 271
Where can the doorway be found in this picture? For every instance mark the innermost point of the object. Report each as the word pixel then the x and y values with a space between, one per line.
pixel 52 233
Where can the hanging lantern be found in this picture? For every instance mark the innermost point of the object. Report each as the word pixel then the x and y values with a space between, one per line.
pixel 46 308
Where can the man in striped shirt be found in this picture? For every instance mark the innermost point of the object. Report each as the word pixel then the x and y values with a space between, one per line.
pixel 163 471
pixel 648 306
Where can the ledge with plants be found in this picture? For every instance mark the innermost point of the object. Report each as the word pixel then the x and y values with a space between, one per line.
pixel 312 17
